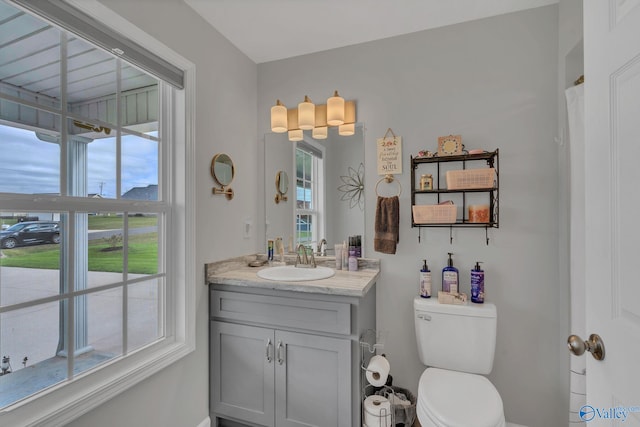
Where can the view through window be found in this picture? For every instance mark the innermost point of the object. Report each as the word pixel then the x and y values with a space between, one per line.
pixel 309 200
pixel 83 265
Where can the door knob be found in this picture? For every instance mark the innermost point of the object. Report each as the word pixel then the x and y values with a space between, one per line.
pixel 594 345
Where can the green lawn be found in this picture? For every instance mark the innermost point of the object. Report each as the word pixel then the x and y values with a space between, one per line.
pixel 143 255
pixel 99 222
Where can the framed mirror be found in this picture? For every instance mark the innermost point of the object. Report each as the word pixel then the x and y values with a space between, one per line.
pixel 282 186
pixel 223 171
pixel 316 170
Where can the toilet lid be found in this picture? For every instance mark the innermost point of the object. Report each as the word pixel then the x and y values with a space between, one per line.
pixel 458 399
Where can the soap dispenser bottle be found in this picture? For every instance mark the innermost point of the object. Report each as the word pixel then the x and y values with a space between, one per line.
pixel 425 280
pixel 450 277
pixel 477 284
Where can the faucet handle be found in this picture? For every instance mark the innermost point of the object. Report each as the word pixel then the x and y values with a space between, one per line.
pixel 298 259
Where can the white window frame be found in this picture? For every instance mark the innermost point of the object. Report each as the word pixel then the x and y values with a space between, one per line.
pixel 65 402
pixel 318 176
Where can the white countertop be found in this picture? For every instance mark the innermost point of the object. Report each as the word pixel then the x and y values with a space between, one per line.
pixel 236 272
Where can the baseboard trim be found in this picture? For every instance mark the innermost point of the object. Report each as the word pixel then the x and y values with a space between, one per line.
pixel 205 423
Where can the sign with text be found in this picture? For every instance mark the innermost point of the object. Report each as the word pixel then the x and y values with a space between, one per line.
pixel 389 150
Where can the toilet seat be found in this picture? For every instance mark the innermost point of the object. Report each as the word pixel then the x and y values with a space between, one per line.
pixel 458 399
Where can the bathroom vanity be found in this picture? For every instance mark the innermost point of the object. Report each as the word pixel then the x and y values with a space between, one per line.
pixel 287 353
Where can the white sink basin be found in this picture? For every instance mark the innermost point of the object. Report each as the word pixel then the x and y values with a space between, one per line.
pixel 289 273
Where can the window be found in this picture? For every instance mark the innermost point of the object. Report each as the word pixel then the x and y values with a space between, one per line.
pixel 309 194
pixel 92 189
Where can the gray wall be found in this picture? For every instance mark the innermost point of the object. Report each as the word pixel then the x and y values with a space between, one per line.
pixel 225 122
pixel 495 82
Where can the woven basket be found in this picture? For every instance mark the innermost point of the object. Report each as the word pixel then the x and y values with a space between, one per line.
pixel 434 214
pixel 468 179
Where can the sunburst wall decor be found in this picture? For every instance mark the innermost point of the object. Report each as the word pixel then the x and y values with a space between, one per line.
pixel 352 188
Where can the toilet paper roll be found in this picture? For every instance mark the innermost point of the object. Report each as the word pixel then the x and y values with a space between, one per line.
pixel 378 371
pixel 377 411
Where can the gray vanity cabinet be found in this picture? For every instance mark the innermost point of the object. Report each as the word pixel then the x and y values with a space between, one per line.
pixel 241 374
pixel 285 359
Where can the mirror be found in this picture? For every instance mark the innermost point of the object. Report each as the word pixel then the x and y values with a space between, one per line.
pixel 322 174
pixel 282 186
pixel 223 171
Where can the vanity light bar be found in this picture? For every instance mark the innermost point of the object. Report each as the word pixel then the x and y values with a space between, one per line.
pixel 350 116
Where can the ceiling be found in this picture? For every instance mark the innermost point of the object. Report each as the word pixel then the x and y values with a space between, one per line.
pixel 268 30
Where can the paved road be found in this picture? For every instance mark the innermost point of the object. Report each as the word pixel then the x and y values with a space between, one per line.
pixel 33 331
pixel 99 234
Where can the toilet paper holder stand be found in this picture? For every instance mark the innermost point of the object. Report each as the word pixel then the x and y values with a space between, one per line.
pixel 371 343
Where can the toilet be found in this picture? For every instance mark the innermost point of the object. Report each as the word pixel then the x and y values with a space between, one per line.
pixel 457 343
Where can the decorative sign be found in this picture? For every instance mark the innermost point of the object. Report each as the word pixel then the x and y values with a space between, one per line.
pixel 450 145
pixel 389 150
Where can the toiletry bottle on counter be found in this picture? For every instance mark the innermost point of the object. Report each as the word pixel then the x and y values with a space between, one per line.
pixel 477 284
pixel 270 250
pixel 337 248
pixel 353 263
pixel 450 277
pixel 345 256
pixel 425 280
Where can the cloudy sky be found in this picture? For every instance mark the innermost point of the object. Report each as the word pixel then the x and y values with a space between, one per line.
pixel 28 165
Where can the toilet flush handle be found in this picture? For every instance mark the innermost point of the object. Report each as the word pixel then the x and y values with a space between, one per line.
pixel 424 316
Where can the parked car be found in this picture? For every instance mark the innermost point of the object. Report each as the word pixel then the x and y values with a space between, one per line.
pixel 30 233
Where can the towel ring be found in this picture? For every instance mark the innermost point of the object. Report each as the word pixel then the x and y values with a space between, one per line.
pixel 389 179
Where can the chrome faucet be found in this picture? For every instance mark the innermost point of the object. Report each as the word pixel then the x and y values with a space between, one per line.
pixel 322 247
pixel 304 262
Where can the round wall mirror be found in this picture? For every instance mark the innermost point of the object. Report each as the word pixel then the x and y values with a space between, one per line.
pixel 282 186
pixel 222 170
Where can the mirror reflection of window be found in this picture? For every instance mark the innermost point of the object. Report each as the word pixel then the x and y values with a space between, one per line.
pixel 309 200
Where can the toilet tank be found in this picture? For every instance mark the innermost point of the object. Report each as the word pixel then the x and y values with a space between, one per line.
pixel 456 337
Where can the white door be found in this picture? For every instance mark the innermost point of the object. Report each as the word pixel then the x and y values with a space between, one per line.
pixel 612 135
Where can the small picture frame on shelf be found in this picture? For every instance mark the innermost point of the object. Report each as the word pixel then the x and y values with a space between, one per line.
pixel 450 145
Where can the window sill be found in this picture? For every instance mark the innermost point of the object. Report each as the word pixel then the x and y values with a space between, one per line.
pixel 66 402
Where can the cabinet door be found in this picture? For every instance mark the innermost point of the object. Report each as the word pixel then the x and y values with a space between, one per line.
pixel 313 380
pixel 242 372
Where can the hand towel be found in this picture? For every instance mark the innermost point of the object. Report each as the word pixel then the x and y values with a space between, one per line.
pixel 387 225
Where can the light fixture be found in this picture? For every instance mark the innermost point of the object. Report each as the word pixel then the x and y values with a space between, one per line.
pixel 306 114
pixel 349 127
pixel 320 131
pixel 335 110
pixel 296 135
pixel 317 118
pixel 279 118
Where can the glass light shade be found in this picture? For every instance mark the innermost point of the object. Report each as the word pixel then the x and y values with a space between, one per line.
pixel 278 118
pixel 320 132
pixel 347 129
pixel 295 135
pixel 335 110
pixel 321 115
pixel 292 118
pixel 306 114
